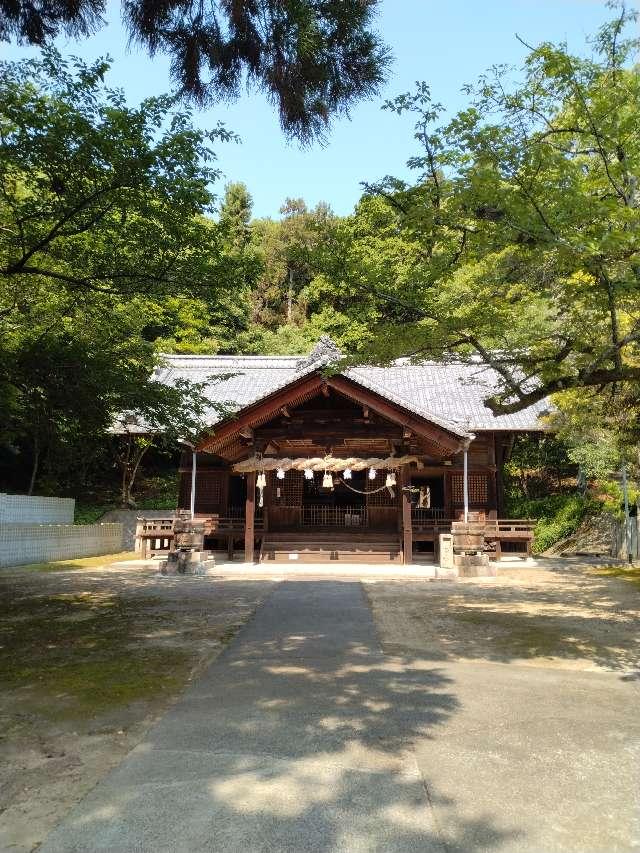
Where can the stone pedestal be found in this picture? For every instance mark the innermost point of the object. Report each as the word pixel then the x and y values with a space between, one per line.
pixel 190 563
pixel 474 566
pixel 461 555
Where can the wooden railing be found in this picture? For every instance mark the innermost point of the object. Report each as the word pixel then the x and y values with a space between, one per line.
pixel 517 528
pixel 333 516
pixel 422 514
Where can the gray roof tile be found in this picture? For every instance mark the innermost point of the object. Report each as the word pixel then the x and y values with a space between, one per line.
pixel 447 393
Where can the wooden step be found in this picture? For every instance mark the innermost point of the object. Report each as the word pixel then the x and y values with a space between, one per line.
pixel 316 548
pixel 329 535
pixel 291 556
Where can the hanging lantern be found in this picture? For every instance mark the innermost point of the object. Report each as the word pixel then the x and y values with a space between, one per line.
pixel 372 473
pixel 280 473
pixel 327 481
pixel 347 473
pixel 308 474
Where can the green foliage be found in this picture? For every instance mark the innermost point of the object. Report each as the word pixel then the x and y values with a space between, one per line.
pixel 312 59
pixel 89 513
pixel 516 244
pixel 609 492
pixel 101 211
pixel 160 491
pixel 96 195
pixel 522 224
pixel 558 516
pixel 538 465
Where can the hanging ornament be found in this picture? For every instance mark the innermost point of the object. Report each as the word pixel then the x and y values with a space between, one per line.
pixel 261 482
pixel 347 473
pixel 424 497
pixel 308 474
pixel 327 481
pixel 391 480
pixel 280 473
pixel 372 473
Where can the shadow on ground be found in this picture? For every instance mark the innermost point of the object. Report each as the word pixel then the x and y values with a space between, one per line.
pixel 299 737
pixel 567 615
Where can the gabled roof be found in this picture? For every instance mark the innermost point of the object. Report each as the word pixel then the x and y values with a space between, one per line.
pixel 450 394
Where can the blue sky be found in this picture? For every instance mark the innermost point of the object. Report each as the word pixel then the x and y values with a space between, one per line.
pixel 446 44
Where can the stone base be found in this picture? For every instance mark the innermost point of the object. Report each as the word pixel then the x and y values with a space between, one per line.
pixel 445 573
pixel 199 563
pixel 474 566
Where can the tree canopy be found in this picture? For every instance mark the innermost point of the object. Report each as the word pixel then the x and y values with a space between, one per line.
pixel 312 59
pixel 524 223
pixel 96 194
pixel 516 244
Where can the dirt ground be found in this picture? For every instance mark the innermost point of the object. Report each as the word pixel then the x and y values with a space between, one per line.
pixel 563 614
pixel 89 658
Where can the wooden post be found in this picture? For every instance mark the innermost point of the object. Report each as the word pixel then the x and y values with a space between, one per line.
pixel 407 532
pixel 249 517
pixel 499 481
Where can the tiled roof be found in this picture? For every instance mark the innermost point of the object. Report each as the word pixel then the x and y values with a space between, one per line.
pixel 450 394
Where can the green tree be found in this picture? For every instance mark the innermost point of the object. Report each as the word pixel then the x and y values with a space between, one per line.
pixel 235 214
pixel 526 215
pixel 96 195
pixel 102 236
pixel 312 59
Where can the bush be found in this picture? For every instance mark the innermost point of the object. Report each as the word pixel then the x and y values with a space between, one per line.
pixel 159 492
pixel 89 513
pixel 558 516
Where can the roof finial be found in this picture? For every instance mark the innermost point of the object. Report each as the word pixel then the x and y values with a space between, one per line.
pixel 325 352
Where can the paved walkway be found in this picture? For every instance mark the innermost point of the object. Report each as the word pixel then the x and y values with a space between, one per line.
pixel 304 736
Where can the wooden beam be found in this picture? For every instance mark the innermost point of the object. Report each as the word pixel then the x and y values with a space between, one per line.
pixel 249 518
pixel 258 412
pixel 336 431
pixel 407 531
pixel 423 427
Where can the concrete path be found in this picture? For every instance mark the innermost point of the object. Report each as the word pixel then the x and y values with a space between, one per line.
pixel 305 736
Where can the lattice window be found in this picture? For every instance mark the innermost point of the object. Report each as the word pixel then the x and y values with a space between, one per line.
pixel 478 489
pixel 382 498
pixel 208 490
pixel 290 488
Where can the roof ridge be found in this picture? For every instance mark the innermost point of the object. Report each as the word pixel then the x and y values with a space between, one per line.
pixel 224 355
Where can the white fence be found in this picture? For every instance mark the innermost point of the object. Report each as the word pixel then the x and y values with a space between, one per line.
pixel 38 543
pixel 32 509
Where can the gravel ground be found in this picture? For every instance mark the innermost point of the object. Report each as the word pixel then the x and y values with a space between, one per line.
pixel 89 659
pixel 564 614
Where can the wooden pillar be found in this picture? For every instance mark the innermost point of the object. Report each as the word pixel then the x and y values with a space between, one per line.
pixel 407 532
pixel 249 517
pixel 499 481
